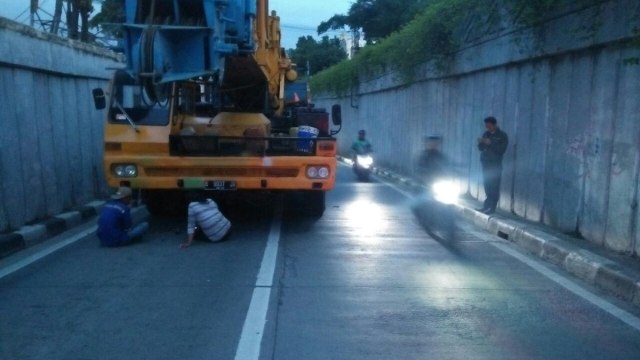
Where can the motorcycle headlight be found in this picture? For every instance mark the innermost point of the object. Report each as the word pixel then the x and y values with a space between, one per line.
pixel 446 192
pixel 365 161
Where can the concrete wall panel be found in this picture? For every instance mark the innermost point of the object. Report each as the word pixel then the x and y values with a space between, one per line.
pixel 29 136
pixel 59 135
pixel 7 155
pixel 521 140
pixel 508 123
pixel 42 120
pixel 475 115
pixel 622 202
pixel 578 133
pixel 12 165
pixel 556 183
pixel 83 114
pixel 4 149
pixel 538 139
pixel 599 149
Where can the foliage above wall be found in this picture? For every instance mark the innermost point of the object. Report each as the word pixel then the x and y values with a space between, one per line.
pixel 434 36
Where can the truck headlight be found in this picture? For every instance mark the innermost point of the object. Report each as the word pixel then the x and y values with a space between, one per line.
pixel 323 172
pixel 318 172
pixel 124 170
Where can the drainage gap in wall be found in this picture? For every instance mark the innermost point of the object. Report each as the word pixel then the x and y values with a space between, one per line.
pixel 503 235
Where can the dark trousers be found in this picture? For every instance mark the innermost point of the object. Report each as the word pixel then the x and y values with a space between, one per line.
pixel 491 173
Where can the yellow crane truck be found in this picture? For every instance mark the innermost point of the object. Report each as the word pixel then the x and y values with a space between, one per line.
pixel 201 105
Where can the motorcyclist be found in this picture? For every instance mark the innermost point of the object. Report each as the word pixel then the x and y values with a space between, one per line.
pixel 361 146
pixel 434 212
pixel 432 164
pixel 361 159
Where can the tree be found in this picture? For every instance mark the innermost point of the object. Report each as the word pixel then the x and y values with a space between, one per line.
pixel 112 12
pixel 319 55
pixel 376 18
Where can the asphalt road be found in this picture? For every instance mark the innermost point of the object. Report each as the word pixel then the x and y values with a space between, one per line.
pixel 365 281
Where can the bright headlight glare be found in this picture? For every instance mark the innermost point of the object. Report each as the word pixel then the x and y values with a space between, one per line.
pixel 446 192
pixel 365 161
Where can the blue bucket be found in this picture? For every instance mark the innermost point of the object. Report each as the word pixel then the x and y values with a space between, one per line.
pixel 306 134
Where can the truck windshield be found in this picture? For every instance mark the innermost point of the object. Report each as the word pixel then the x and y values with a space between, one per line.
pixel 199 99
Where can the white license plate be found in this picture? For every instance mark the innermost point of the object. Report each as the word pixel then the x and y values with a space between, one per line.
pixel 220 185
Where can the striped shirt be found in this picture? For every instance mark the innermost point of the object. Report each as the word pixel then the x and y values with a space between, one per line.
pixel 207 216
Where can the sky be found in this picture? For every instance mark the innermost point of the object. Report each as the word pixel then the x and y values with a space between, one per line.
pixel 301 18
pixel 298 17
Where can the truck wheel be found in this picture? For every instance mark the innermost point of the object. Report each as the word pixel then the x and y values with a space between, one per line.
pixel 314 202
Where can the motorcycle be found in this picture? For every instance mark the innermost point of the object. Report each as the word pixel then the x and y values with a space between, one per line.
pixel 437 212
pixel 362 166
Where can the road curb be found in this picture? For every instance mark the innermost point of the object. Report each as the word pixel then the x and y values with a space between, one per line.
pixel 30 235
pixel 10 243
pixel 586 265
pixel 590 267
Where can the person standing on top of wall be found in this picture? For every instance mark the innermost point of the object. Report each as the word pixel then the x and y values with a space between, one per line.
pixel 492 146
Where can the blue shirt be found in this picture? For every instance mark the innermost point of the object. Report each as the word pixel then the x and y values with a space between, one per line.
pixel 114 222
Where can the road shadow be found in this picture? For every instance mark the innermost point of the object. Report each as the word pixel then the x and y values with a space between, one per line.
pixel 439 222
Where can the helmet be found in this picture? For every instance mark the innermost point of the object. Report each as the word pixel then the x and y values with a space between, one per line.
pixel 362 132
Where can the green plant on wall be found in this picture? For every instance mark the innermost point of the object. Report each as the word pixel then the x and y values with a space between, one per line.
pixel 428 37
pixel 434 36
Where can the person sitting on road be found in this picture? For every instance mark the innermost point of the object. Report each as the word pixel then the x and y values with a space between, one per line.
pixel 114 224
pixel 361 145
pixel 203 214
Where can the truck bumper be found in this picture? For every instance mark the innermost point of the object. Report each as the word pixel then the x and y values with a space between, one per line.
pixel 240 173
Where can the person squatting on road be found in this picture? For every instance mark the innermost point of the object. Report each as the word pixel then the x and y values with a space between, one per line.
pixel 492 146
pixel 114 224
pixel 203 214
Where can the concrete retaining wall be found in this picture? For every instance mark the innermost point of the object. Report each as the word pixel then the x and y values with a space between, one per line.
pixel 51 138
pixel 571 108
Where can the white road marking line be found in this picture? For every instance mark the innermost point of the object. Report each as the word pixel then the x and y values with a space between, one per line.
pixel 267 268
pixel 573 287
pixel 253 328
pixel 45 252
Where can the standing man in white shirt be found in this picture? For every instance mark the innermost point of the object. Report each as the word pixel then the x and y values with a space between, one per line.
pixel 204 215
